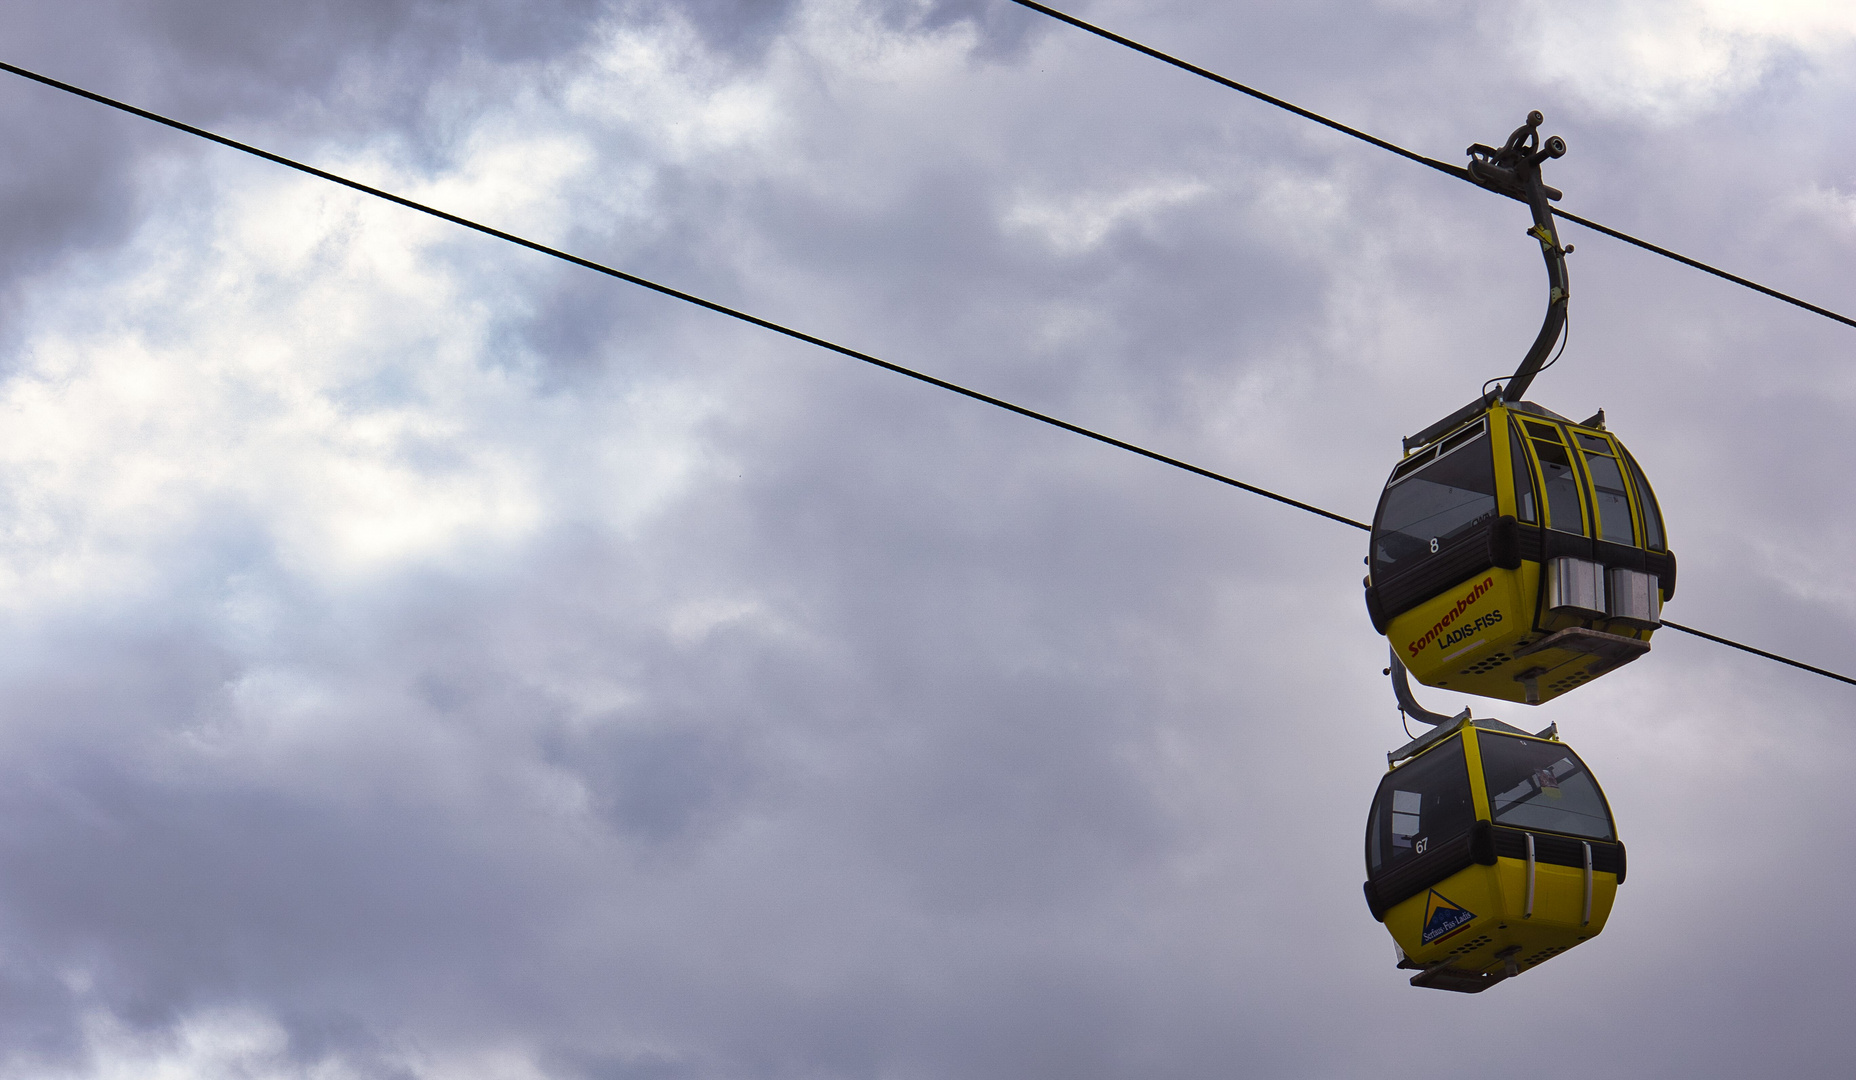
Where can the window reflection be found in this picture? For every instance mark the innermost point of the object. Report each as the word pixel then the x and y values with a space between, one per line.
pixel 1560 481
pixel 1543 786
pixel 1652 517
pixel 1439 502
pixel 1523 479
pixel 1609 499
pixel 1420 805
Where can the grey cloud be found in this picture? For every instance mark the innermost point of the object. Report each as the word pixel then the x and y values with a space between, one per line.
pixel 213 64
pixel 1028 758
pixel 1004 31
pixel 741 29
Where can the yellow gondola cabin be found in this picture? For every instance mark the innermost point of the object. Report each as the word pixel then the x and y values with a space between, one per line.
pixel 1488 852
pixel 1517 555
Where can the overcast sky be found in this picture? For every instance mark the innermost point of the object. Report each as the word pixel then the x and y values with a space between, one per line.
pixel 422 659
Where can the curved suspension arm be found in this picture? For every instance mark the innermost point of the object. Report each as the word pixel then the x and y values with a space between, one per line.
pixel 1515 170
pixel 1401 689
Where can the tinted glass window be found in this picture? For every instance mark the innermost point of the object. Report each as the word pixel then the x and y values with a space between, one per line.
pixel 1420 805
pixel 1652 517
pixel 1561 483
pixel 1523 480
pixel 1542 785
pixel 1463 436
pixel 1610 499
pixel 1413 463
pixel 1437 503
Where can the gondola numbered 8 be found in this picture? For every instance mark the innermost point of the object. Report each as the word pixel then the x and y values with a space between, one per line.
pixel 1488 852
pixel 1516 554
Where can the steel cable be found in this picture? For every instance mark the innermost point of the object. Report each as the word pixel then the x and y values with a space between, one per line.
pixel 766 324
pixel 1441 166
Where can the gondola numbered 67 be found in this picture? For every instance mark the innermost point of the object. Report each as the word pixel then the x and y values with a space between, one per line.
pixel 1488 852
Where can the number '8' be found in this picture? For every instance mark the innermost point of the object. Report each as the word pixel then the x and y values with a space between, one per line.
pixel 1433 545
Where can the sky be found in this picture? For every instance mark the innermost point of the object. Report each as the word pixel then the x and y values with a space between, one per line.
pixel 420 658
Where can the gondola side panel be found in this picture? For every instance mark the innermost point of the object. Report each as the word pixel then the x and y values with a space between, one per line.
pixel 1465 638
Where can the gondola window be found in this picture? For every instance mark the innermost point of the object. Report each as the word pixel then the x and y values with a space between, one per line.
pixel 1561 482
pixel 1613 502
pixel 1652 517
pixel 1523 480
pixel 1543 786
pixel 1420 806
pixel 1431 506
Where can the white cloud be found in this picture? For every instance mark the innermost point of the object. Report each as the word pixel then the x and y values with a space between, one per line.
pixel 229 1045
pixel 306 361
pixel 656 85
pixel 1078 223
pixel 244 1044
pixel 732 700
pixel 1666 60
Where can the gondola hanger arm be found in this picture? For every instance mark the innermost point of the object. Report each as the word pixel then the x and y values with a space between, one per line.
pixel 1515 170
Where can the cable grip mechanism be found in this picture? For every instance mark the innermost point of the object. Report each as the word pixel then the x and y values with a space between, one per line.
pixel 1514 170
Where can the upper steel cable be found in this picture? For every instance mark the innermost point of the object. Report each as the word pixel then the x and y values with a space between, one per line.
pixel 733 313
pixel 1440 166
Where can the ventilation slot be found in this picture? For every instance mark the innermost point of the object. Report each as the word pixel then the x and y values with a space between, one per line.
pixel 1486 664
pixel 1569 681
pixel 1468 947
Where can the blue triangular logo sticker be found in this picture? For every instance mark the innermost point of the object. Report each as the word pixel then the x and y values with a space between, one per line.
pixel 1443 918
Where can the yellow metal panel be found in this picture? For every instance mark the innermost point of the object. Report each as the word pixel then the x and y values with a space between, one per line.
pixel 1478 786
pixel 1495 898
pixel 1465 639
